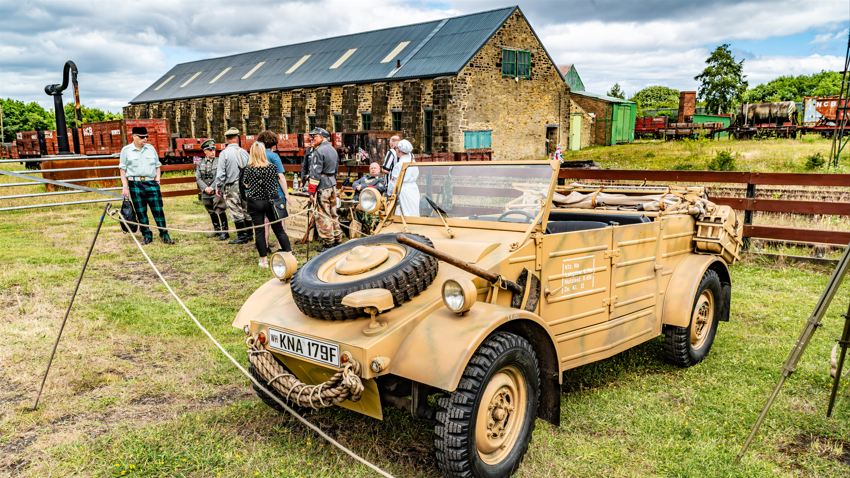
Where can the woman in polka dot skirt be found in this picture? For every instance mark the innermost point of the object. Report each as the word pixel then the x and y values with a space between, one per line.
pixel 260 180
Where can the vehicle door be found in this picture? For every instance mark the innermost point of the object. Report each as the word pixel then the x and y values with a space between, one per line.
pixel 576 278
pixel 634 282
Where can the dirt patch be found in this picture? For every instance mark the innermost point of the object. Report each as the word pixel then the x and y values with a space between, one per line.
pixel 827 448
pixel 155 399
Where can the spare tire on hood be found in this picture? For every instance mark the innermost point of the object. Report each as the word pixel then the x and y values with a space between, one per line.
pixel 319 286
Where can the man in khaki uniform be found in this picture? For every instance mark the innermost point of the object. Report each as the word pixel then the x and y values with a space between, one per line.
pixel 231 161
pixel 205 176
pixel 321 184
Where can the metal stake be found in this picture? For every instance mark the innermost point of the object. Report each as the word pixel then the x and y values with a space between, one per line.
pixel 67 312
pixel 843 343
pixel 802 342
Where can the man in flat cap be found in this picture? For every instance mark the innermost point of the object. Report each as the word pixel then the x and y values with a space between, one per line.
pixel 140 176
pixel 321 185
pixel 231 161
pixel 205 171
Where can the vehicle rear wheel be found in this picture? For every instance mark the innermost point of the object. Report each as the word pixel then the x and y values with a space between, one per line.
pixel 485 425
pixel 688 346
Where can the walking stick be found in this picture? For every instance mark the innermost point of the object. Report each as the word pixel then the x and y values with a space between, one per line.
pixel 68 311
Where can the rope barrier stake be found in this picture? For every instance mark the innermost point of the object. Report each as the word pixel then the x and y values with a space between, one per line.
pixel 71 303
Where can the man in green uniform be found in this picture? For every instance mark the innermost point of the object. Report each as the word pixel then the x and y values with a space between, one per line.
pixel 205 171
pixel 140 176
pixel 231 161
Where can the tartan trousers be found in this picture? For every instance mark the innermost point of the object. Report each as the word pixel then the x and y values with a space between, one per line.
pixel 144 194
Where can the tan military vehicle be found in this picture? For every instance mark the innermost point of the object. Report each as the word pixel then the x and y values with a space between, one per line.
pixel 499 282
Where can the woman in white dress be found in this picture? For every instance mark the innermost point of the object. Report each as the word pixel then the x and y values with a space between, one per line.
pixel 408 195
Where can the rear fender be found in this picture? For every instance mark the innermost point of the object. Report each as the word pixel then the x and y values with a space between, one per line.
pixel 436 352
pixel 679 297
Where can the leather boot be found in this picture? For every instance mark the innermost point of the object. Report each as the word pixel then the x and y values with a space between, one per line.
pixel 239 234
pixel 224 235
pixel 216 225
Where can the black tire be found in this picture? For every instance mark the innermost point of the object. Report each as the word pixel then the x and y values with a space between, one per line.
pixel 267 399
pixel 680 343
pixel 457 452
pixel 405 280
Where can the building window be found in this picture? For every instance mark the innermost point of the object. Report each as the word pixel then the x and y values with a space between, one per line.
pixel 396 120
pixel 516 63
pixel 288 124
pixel 476 139
pixel 311 122
pixel 337 123
pixel 428 132
pixel 265 123
pixel 226 124
pixel 366 120
pixel 245 125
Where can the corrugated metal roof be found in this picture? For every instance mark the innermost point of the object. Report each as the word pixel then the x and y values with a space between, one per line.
pixel 451 45
pixel 597 96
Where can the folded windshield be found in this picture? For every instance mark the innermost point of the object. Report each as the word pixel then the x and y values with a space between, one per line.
pixel 507 193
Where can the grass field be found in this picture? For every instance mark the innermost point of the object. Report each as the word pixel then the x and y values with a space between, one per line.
pixel 136 390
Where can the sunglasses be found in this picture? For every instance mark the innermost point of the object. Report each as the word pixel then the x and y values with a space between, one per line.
pixel 143 136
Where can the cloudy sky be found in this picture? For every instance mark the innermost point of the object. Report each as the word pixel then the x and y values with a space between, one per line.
pixel 121 47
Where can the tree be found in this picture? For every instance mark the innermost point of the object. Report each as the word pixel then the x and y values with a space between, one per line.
pixel 18 116
pixel 722 83
pixel 90 115
pixel 790 88
pixel 616 92
pixel 657 97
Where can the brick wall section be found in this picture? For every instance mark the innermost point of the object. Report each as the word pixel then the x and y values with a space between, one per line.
pixel 336 99
pixel 442 95
pixel 235 113
pixel 411 115
pixel 601 134
pixel 154 110
pixel 517 112
pixel 218 123
pixel 184 116
pixel 350 118
pixel 381 119
pixel 200 116
pixel 323 109
pixel 687 106
pixel 255 114
pixel 297 112
pixel 586 123
pixel 275 114
pixel 394 100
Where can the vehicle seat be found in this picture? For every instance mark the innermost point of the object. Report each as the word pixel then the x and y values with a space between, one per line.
pixel 621 219
pixel 557 227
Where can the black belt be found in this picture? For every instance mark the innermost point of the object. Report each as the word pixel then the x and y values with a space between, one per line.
pixel 329 175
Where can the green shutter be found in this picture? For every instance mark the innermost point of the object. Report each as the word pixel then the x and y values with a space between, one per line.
pixel 523 60
pixel 509 62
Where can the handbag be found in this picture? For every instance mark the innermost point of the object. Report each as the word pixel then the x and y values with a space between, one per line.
pixel 128 213
pixel 279 206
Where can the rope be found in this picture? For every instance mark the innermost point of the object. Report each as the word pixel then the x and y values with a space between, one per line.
pixel 245 372
pixel 113 212
pixel 344 385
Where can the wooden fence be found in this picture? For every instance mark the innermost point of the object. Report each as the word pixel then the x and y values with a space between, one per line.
pixel 748 204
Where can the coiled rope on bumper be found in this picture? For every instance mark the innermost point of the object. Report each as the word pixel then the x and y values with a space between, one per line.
pixel 344 385
pixel 245 372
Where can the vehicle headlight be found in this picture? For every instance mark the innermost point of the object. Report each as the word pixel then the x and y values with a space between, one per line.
pixel 283 265
pixel 370 200
pixel 459 294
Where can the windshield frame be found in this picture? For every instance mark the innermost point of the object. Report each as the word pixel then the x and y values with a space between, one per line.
pixel 541 218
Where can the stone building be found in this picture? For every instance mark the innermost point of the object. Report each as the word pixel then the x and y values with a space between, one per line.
pixel 473 82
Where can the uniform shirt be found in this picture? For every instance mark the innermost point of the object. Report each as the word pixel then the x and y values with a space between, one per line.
pixel 275 160
pixel 139 162
pixel 261 183
pixel 205 174
pixel 231 160
pixel 369 181
pixel 305 165
pixel 324 161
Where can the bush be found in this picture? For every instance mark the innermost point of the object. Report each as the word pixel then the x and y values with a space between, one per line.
pixel 815 161
pixel 685 166
pixel 722 161
pixel 649 155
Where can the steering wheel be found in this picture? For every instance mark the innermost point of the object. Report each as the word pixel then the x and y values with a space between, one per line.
pixel 527 215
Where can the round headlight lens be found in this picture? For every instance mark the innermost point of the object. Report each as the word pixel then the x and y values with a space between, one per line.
pixel 369 200
pixel 453 296
pixel 283 265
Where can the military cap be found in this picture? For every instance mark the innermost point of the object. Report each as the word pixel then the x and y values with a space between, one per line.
pixel 208 144
pixel 320 131
pixel 232 132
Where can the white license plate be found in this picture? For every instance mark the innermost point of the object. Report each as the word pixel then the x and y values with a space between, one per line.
pixel 304 347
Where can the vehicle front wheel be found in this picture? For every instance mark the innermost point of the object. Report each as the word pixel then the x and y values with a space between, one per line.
pixel 688 346
pixel 485 425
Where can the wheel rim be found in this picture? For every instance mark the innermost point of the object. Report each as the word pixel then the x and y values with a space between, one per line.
pixel 327 272
pixel 702 318
pixel 501 415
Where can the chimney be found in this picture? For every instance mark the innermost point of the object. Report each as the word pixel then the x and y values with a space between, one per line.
pixel 687 106
pixel 397 64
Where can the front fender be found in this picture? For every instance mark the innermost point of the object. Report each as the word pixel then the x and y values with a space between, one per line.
pixel 436 352
pixel 679 297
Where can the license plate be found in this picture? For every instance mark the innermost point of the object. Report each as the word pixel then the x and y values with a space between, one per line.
pixel 304 347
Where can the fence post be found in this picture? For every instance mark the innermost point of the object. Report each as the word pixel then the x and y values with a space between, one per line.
pixel 748 214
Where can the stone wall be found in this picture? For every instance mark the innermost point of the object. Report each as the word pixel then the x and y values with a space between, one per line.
pixel 350 118
pixel 323 109
pixel 381 118
pixel 411 114
pixel 515 111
